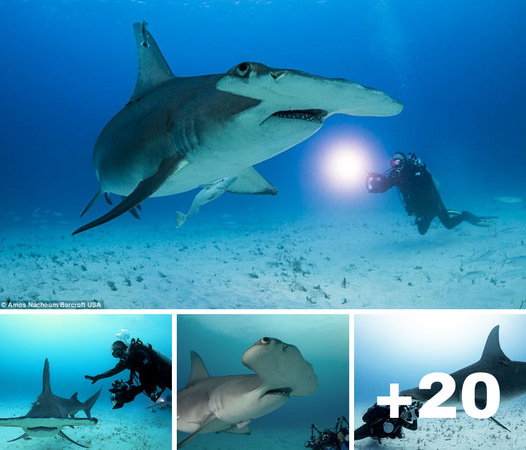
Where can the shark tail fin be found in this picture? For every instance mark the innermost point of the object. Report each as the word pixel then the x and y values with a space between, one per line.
pixel 153 68
pixel 180 218
pixel 24 436
pixel 61 434
pixel 88 404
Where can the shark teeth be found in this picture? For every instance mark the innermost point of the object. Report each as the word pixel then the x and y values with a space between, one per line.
pixel 280 391
pixel 311 115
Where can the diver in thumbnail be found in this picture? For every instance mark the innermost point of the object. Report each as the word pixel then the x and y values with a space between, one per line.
pixel 336 438
pixel 150 372
pixel 379 425
pixel 419 194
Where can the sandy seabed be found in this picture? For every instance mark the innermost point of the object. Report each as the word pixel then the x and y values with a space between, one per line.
pixel 462 433
pixel 368 260
pixel 125 429
pixel 284 438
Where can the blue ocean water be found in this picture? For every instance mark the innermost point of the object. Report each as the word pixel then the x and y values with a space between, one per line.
pixel 221 340
pixel 402 348
pixel 458 68
pixel 76 345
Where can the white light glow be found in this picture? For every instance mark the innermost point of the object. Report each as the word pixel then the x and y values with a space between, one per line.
pixel 344 166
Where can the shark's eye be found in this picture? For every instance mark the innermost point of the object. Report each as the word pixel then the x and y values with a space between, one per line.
pixel 265 340
pixel 243 69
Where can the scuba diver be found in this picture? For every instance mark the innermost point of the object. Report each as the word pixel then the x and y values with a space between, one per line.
pixel 378 425
pixel 150 372
pixel 336 438
pixel 419 194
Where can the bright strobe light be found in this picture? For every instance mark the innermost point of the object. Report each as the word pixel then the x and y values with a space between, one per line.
pixel 345 167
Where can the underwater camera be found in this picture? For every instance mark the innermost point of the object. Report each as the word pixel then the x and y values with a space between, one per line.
pixel 376 182
pixel 120 393
pixel 336 438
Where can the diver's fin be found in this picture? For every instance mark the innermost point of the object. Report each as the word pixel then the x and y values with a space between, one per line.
pixel 153 68
pixel 24 436
pixel 478 221
pixel 202 429
pixel 499 424
pixel 143 190
pixel 61 434
pixel 107 197
pixel 92 201
pixel 249 181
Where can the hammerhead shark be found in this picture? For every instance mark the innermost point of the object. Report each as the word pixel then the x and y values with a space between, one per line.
pixel 229 403
pixel 510 375
pixel 50 413
pixel 179 133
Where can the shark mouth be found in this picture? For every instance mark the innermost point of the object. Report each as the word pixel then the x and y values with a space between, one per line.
pixel 37 429
pixel 310 115
pixel 280 391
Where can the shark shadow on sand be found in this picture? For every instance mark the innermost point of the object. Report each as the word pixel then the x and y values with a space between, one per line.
pixel 50 413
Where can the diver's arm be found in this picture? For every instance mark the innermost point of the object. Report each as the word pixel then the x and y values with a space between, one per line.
pixel 377 183
pixel 410 425
pixel 117 369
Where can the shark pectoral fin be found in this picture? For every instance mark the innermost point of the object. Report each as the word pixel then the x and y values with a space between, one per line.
pixel 202 429
pixel 24 436
pixel 249 181
pixel 92 201
pixel 143 190
pixel 153 68
pixel 61 434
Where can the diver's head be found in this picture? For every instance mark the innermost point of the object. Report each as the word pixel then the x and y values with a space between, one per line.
pixel 118 349
pixel 398 160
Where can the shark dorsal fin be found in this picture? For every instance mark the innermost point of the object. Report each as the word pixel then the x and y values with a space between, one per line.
pixel 46 383
pixel 492 350
pixel 74 396
pixel 199 371
pixel 153 68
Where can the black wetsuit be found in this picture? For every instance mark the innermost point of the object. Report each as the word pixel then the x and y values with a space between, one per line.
pixel 142 361
pixel 375 419
pixel 420 195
